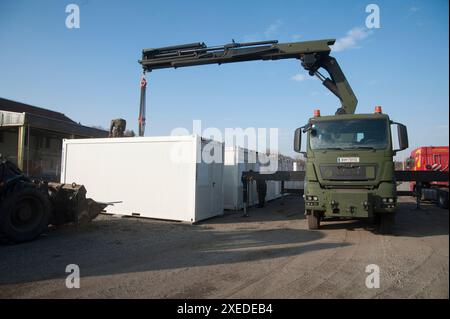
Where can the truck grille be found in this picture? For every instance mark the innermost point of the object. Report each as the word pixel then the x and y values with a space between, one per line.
pixel 348 172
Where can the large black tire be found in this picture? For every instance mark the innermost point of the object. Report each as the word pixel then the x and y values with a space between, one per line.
pixel 24 215
pixel 442 201
pixel 387 221
pixel 313 221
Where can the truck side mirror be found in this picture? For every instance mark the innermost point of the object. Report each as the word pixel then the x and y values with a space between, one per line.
pixel 402 134
pixel 298 140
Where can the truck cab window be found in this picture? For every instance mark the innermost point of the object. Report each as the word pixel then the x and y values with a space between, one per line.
pixel 350 134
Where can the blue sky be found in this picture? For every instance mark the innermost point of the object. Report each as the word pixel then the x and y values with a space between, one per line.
pixel 91 74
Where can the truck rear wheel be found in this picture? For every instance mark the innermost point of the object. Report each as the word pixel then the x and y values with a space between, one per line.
pixel 313 221
pixel 442 199
pixel 24 215
pixel 387 221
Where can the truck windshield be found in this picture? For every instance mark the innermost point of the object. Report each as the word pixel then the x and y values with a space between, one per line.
pixel 349 134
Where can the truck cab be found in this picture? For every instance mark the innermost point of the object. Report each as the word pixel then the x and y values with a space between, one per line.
pixel 349 166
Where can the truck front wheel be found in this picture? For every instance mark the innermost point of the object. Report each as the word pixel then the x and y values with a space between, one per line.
pixel 313 220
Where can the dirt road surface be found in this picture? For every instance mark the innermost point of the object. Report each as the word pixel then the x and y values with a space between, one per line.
pixel 270 254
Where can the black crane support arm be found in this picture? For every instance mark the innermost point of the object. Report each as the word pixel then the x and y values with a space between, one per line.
pixel 313 55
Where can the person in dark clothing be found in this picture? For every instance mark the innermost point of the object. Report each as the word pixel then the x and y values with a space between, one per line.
pixel 261 188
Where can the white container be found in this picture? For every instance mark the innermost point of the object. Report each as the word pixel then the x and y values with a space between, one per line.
pixel 287 164
pixel 273 187
pixel 155 177
pixel 297 184
pixel 277 162
pixel 238 160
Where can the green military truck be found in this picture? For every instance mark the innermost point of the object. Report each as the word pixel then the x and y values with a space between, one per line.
pixel 349 167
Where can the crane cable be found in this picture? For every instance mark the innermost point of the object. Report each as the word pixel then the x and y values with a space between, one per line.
pixel 141 119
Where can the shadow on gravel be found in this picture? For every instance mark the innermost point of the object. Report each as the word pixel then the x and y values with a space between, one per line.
pixel 430 220
pixel 409 222
pixel 120 246
pixel 290 207
pixel 349 225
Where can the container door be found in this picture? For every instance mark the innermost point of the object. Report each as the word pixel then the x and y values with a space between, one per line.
pixel 216 187
pixel 203 193
pixel 209 195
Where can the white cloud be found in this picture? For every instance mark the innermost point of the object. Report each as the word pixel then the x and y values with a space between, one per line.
pixel 296 37
pixel 269 33
pixel 299 77
pixel 351 39
pixel 414 9
pixel 272 30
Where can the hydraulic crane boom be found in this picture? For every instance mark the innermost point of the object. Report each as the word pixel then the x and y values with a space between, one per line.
pixel 314 55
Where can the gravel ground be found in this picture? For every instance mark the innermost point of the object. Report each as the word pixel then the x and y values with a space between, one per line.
pixel 270 254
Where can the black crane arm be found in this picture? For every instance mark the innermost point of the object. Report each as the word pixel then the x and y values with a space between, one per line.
pixel 314 55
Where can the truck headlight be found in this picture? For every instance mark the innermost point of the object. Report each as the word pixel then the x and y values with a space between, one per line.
pixel 388 202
